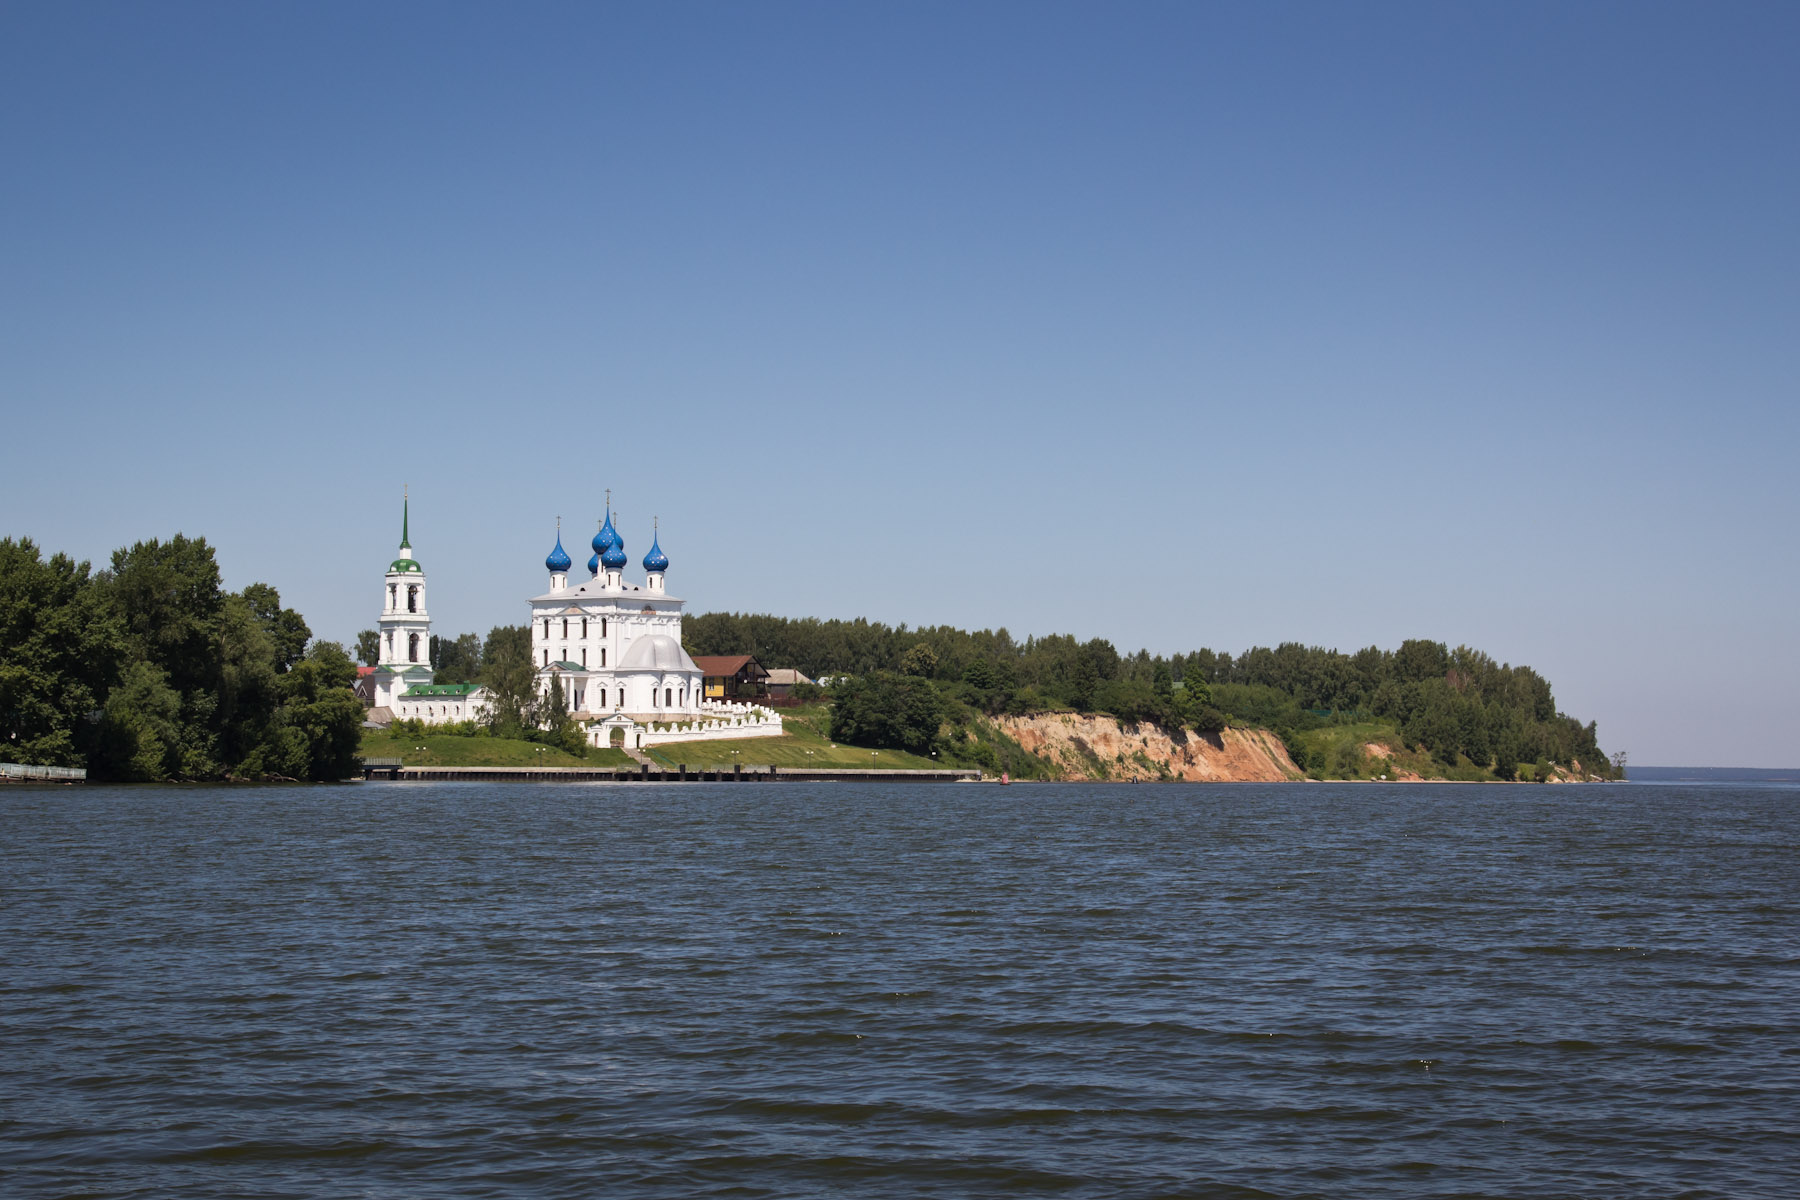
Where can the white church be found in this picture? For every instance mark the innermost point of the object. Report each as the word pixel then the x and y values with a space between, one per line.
pixel 613 646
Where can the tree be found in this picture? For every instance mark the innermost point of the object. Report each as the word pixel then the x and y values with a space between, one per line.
pixel 368 648
pixel 141 733
pixel 1196 703
pixel 318 727
pixel 1207 719
pixel 168 595
pixel 883 710
pixel 1418 660
pixel 510 677
pixel 921 660
pixel 1081 683
pixel 550 722
pixel 249 689
pixel 286 628
pixel 1134 700
pixel 456 660
pixel 168 598
pixel 61 651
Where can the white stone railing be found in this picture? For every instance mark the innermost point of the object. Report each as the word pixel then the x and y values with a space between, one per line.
pixel 738 722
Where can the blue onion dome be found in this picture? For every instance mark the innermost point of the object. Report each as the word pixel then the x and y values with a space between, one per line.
pixel 594 565
pixel 558 562
pixel 656 560
pixel 607 535
pixel 614 555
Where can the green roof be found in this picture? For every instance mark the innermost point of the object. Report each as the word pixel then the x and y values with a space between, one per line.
pixel 441 689
pixel 405 564
pixel 566 665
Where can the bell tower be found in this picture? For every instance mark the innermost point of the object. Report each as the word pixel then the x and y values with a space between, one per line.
pixel 405 659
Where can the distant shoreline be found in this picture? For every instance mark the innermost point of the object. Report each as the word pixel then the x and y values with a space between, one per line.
pixel 1637 774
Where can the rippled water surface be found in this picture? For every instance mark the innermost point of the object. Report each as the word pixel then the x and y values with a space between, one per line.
pixel 692 990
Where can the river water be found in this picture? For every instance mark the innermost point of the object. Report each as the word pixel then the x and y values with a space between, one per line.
pixel 462 990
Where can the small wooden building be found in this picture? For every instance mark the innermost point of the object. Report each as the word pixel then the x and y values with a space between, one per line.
pixel 731 675
pixel 783 679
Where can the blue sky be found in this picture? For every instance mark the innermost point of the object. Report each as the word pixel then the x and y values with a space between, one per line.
pixel 1181 325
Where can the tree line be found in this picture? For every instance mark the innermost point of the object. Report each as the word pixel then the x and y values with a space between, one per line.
pixel 1450 701
pixel 149 670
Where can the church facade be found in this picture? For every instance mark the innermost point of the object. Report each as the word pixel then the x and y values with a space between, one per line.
pixel 612 647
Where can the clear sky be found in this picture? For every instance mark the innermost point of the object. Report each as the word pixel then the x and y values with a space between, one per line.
pixel 1180 325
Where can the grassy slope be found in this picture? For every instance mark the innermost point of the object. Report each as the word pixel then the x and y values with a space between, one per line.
pixel 438 750
pixel 806 731
pixel 1337 751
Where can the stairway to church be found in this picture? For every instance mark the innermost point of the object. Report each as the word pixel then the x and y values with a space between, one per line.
pixel 642 759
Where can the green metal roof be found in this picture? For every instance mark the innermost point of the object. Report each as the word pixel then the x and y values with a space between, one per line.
pixel 405 564
pixel 566 665
pixel 441 689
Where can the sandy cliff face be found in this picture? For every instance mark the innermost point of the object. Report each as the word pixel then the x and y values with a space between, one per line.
pixel 1100 747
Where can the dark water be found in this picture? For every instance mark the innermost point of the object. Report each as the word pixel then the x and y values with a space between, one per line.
pixel 1086 991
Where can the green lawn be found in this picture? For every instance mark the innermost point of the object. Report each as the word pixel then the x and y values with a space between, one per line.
pixel 806 744
pixel 440 750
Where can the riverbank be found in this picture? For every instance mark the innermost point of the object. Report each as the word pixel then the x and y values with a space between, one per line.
pixel 397 773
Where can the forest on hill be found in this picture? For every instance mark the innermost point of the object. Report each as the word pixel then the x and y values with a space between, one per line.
pixel 1458 705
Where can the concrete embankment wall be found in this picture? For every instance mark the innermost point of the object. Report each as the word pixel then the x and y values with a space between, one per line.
pixel 20 773
pixel 653 775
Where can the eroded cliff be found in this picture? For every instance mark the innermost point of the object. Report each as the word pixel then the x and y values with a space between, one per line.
pixel 1093 746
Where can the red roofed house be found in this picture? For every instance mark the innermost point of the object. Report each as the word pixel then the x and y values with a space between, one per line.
pixel 731 675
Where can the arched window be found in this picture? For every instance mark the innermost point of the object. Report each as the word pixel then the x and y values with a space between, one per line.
pixel 666 697
pixel 546 656
pixel 621 697
pixel 602 626
pixel 565 627
pixel 584 627
pixel 412 598
pixel 391 590
pixel 584 656
pixel 412 647
pixel 603 656
pixel 546 627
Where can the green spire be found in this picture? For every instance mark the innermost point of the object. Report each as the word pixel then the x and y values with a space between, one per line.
pixel 405 519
